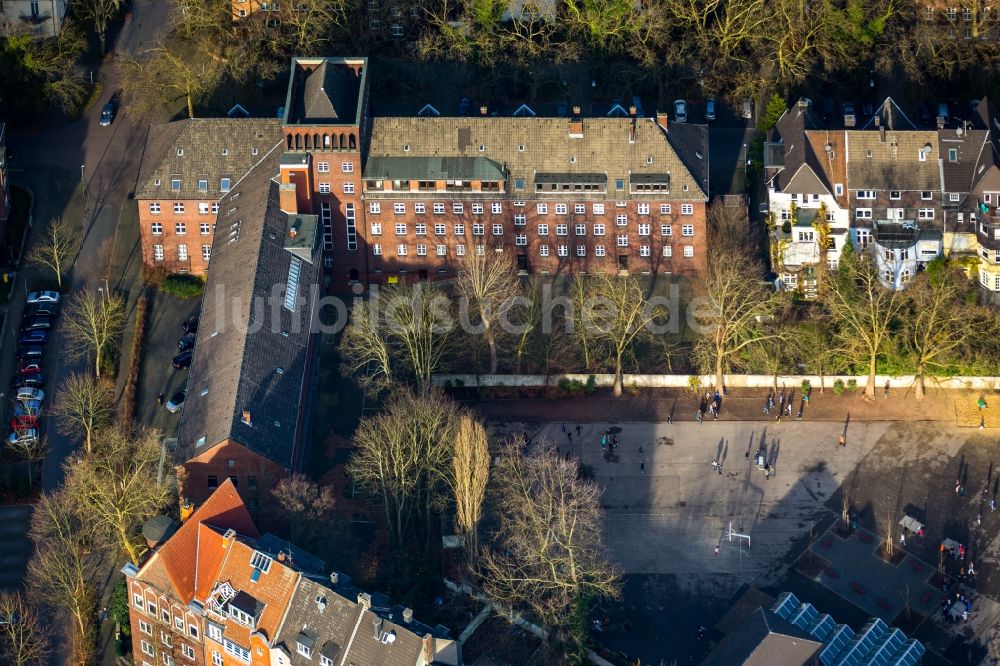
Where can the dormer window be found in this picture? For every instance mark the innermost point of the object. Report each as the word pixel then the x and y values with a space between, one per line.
pixel 180 152
pixel 224 184
pixel 225 151
pixel 953 154
pixel 203 185
pixel 175 184
pixel 254 151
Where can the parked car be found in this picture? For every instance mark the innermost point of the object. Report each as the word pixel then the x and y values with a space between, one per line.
pixel 43 297
pixel 183 360
pixel 190 324
pixel 28 381
pixel 37 309
pixel 185 343
pixel 29 393
pixel 680 111
pixel 23 422
pixel 849 118
pixel 33 338
pixel 747 111
pixel 108 114
pixel 27 407
pixel 942 110
pixel 710 110
pixel 39 323
pixel 176 402
pixel 27 367
pixel 763 208
pixel 23 436
pixel 30 352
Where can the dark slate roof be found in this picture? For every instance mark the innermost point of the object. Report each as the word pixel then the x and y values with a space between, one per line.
pixel 330 93
pixel 960 175
pixel 891 162
pixel 765 639
pixel 434 168
pixel 690 141
pixel 790 132
pixel 891 117
pixel 211 149
pixel 251 352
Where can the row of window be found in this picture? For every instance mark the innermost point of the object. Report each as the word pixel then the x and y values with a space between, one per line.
pixel 151 608
pixel 175 183
pixel 180 228
pixel 182 252
pixel 204 208
pixel 403 249
pixel 984 279
pixel 990 255
pixel 399 208
pixel 894 195
pixel 952 13
pixel 543 229
pixel 866 214
pixel 324 167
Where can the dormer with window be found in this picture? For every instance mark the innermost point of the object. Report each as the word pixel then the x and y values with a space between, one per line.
pixel 245 609
pixel 649 183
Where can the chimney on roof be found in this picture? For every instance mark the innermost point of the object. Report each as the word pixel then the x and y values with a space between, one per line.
pixel 407 615
pixel 662 120
pixel 377 626
pixel 576 124
pixel 878 121
pixel 881 134
pixel 246 417
pixel 288 198
pixel 428 648
pixel 365 600
pixel 187 508
pixel 228 537
pixel 632 111
pixel 483 111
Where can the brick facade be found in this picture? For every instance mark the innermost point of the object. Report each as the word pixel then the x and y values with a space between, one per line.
pixel 177 234
pixel 162 627
pixel 252 474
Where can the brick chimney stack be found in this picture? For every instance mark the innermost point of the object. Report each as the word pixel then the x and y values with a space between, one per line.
pixel 576 124
pixel 288 198
pixel 661 120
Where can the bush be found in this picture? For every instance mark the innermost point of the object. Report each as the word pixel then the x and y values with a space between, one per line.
pixel 571 386
pixel 183 286
pixel 132 378
pixel 838 387
pixel 694 381
pixel 591 384
pixel 786 227
pixel 852 385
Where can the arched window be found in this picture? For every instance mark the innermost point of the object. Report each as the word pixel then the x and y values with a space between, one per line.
pixel 326 140
pixel 316 144
pixel 288 140
pixel 343 142
pixel 298 142
pixel 308 142
pixel 352 141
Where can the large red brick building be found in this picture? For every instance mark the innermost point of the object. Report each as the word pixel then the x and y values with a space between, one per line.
pixel 408 197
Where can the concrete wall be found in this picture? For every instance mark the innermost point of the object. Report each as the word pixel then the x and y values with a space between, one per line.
pixel 732 381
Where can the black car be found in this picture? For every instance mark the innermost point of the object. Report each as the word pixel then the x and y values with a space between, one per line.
pixel 185 343
pixel 33 338
pixel 38 309
pixel 190 325
pixel 34 381
pixel 39 323
pixel 183 360
pixel 30 352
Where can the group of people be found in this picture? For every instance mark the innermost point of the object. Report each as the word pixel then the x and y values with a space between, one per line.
pixel 953 609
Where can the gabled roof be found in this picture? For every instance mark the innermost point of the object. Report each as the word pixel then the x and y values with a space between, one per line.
pixel 828 158
pixel 191 556
pixel 890 161
pixel 891 117
pixel 251 350
pixel 960 174
pixel 805 181
pixel 325 91
pixel 789 134
pixel 264 595
pixel 765 639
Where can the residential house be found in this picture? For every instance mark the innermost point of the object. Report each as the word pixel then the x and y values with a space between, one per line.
pixel 40 18
pixel 4 184
pixel 959 19
pixel 217 592
pixel 983 203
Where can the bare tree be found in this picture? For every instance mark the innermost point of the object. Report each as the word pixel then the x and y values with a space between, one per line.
pixel 618 316
pixel 58 571
pixel 23 634
pixel 579 296
pixel 93 323
pixel 304 503
pixel 529 305
pixel 100 12
pixel 488 282
pixel 737 312
pixel 56 248
pixel 549 555
pixel 32 450
pixel 470 473
pixel 403 455
pixel 83 405
pixel 116 486
pixel 169 73
pixel 864 310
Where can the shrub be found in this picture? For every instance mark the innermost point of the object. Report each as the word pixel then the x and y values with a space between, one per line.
pixel 591 384
pixel 694 381
pixel 838 387
pixel 786 227
pixel 132 378
pixel 183 286
pixel 459 383
pixel 852 385
pixel 564 384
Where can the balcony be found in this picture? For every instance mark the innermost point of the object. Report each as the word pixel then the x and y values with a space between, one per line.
pixel 896 234
pixel 988 226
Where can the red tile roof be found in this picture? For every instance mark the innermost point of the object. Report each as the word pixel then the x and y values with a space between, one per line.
pixel 186 564
pixel 274 589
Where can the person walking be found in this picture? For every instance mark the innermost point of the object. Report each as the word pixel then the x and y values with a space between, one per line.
pixel 720 469
pixel 716 551
pixel 843 440
pixel 698 416
pixel 160 398
pixel 670 419
pixel 579 429
pixel 642 466
pixel 993 505
pixel 715 465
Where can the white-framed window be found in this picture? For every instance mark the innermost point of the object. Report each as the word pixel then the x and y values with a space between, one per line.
pixel 668 251
pixel 419 208
pixel 598 229
pixel 348 188
pixel 518 203
pixel 664 209
pixel 147 648
pixel 460 250
pixel 477 209
pixel 377 249
pixel 216 657
pixel 580 209
pixel 439 209
pixel 374 207
pixel 205 228
pixel 237 651
pixel 458 208
pixel 622 240
pixel 543 230
pixel 645 229
pixel 154 207
pixel 442 250
pixel 925 214
pixel 440 229
pixel 187 651
pixel 866 194
pixel 599 251
pixel 347 167
pixel 520 219
pixel 953 197
pixel 323 167
pixel 496 207
pixel 478 229
pixel 598 209
pixel 864 237
pixel 178 207
pixel 806 236
pixel 459 229
pixel 562 230
pixel 643 250
pixel 562 250
pixel 666 230
pixel 401 250
pixel 215 208
pixel 498 230
pixel 838 189
pixel 156 229
pixel 542 209
pixel 521 239
pixel 180 228
pixel 863 213
pixel 687 209
pixel 420 229
pixel 166 639
pixel 543 250
pixel 581 230
pixel 927 196
pixel 561 209
pixel 145 627
pixel 689 250
pixel 421 250
pixel 324 188
pixel 304 650
pixel 157 256
pixel 137 600
pixel 215 632
pixel 203 208
pixel 621 219
pixel 895 195
pixel 376 228
pixel 206 252
pixel 480 249
pixel 642 209
pixel 401 228
pixel 687 230
pixel 399 208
